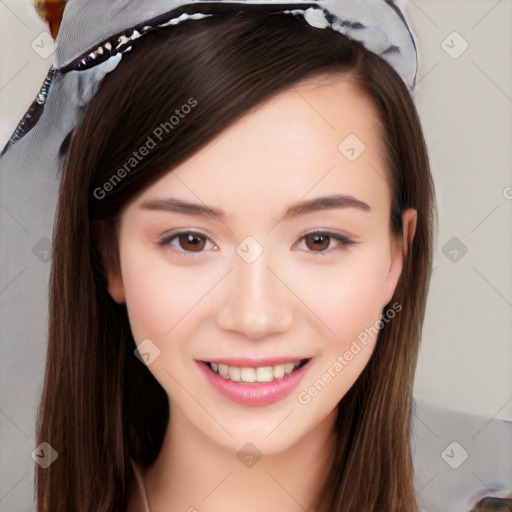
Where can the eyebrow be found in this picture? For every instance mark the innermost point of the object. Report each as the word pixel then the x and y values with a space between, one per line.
pixel 299 208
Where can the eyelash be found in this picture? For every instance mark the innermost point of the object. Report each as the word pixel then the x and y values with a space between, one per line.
pixel 166 240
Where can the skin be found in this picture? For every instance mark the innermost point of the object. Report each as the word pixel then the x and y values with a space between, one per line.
pixel 290 301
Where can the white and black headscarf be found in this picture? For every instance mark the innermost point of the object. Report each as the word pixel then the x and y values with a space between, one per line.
pixel 94 35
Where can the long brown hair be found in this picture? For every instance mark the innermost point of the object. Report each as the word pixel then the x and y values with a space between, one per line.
pixel 100 405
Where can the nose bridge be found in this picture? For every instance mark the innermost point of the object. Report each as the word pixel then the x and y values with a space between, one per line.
pixel 255 302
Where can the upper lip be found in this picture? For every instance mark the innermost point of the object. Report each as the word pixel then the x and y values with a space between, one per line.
pixel 251 362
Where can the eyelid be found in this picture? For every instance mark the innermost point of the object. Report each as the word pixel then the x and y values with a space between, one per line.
pixel 165 241
pixel 344 240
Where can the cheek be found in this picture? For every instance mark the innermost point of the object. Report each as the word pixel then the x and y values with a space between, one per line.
pixel 159 297
pixel 346 296
pixel 348 301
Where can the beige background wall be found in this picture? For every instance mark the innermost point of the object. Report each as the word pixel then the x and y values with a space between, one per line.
pixel 465 103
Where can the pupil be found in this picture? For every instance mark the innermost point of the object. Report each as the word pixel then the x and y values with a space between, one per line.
pixel 320 241
pixel 192 240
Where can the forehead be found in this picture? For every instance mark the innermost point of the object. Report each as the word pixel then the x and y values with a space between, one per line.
pixel 318 137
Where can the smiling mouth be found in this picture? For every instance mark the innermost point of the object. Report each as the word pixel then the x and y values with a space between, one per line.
pixel 255 375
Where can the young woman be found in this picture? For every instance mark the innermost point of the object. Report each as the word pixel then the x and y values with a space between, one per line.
pixel 241 260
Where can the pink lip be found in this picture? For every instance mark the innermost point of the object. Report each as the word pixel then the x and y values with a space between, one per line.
pixel 254 394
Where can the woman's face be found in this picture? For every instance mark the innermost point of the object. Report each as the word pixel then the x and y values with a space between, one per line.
pixel 268 247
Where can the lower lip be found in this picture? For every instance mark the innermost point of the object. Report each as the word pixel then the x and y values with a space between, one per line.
pixel 255 394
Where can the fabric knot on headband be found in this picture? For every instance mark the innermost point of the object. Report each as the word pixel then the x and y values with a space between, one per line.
pixel 92 40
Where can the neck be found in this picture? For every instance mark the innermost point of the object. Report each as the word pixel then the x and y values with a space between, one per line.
pixel 194 473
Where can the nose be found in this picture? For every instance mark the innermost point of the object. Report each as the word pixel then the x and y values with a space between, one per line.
pixel 255 302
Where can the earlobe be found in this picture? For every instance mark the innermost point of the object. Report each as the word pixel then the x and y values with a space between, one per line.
pixel 116 288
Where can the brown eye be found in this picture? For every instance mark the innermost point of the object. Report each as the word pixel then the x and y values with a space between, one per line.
pixel 317 241
pixel 187 243
pixel 191 242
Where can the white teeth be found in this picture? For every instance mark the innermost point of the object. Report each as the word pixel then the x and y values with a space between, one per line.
pixel 288 367
pixel 278 371
pixel 264 374
pixel 223 370
pixel 234 373
pixel 248 374
pixel 260 374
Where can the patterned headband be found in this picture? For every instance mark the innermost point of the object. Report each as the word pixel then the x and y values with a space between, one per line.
pixel 377 24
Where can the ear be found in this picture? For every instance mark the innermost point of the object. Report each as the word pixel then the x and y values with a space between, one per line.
pixel 399 250
pixel 105 234
pixel 115 287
